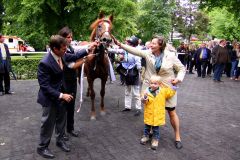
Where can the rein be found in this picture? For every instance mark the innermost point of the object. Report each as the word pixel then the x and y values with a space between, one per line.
pixel 99 35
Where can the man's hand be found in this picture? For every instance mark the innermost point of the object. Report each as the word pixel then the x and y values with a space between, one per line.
pixel 92 45
pixel 67 97
pixel 90 57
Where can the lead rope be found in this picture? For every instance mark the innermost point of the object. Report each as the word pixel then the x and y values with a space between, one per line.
pixel 81 88
pixel 112 75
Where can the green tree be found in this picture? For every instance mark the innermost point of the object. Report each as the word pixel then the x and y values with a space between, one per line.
pixel 36 20
pixel 1 15
pixel 189 20
pixel 154 18
pixel 230 5
pixel 224 24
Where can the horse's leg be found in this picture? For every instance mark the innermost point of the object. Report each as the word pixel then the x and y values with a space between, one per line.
pixel 92 95
pixel 102 93
pixel 88 91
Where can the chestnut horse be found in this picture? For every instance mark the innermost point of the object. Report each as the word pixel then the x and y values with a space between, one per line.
pixel 99 66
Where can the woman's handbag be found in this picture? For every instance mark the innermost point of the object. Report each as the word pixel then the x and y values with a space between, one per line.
pixel 121 70
pixel 131 76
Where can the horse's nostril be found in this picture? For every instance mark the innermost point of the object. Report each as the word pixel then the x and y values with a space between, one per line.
pixel 104 39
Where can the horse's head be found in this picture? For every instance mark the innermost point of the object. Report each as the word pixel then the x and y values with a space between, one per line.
pixel 102 29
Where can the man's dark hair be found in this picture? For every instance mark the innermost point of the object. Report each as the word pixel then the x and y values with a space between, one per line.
pixel 65 31
pixel 56 41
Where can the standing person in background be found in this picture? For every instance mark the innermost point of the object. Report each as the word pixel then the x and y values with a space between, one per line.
pixel 131 65
pixel 192 50
pixel 69 84
pixel 234 60
pixel 203 55
pixel 228 65
pixel 181 50
pixel 5 68
pixel 165 64
pixel 220 58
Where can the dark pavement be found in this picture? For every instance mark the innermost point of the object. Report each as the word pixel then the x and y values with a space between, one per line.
pixel 209 115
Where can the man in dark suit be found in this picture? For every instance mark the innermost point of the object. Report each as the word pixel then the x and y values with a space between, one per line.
pixel 202 56
pixel 69 83
pixel 5 67
pixel 51 94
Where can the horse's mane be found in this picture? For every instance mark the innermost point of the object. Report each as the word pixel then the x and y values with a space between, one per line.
pixel 94 26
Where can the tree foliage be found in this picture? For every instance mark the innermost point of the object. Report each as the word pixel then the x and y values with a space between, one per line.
pixel 230 5
pixel 36 20
pixel 1 14
pixel 188 20
pixel 224 24
pixel 154 18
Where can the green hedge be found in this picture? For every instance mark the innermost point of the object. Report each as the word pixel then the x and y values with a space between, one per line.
pixel 25 68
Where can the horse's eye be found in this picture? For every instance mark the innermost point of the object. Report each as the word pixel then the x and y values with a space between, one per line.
pixel 99 26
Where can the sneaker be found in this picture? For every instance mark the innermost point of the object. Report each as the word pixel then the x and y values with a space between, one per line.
pixel 144 140
pixel 154 144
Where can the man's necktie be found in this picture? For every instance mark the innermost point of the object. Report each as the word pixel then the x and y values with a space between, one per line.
pixel 201 55
pixel 60 63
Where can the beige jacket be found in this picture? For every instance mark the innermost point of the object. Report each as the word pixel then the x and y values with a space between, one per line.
pixel 171 68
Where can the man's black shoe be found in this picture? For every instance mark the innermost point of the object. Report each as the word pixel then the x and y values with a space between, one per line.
pixel 45 153
pixel 1 93
pixel 9 92
pixel 191 73
pixel 126 110
pixel 63 146
pixel 178 144
pixel 138 112
pixel 73 133
pixel 65 137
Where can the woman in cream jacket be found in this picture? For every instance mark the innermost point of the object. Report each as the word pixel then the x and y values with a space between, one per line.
pixel 165 64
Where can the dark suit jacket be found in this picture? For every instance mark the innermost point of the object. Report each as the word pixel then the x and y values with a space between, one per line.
pixel 8 60
pixel 70 77
pixel 198 52
pixel 50 78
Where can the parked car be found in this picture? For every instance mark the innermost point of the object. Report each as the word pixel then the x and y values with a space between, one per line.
pixel 16 44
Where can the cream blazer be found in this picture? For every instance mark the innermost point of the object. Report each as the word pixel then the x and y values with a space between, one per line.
pixel 171 68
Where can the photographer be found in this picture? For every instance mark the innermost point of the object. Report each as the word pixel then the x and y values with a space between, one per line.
pixel 129 69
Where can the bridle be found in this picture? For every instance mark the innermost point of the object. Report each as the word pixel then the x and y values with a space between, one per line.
pixel 100 35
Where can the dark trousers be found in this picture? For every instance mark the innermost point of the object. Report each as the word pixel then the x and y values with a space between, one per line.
pixel 52 116
pixel 71 88
pixel 192 63
pixel 228 67
pixel 5 77
pixel 201 68
pixel 218 69
pixel 209 68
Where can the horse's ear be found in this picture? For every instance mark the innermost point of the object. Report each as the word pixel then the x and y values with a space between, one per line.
pixel 101 15
pixel 111 18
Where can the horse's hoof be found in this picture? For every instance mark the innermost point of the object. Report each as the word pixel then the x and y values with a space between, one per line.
pixel 102 113
pixel 93 118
